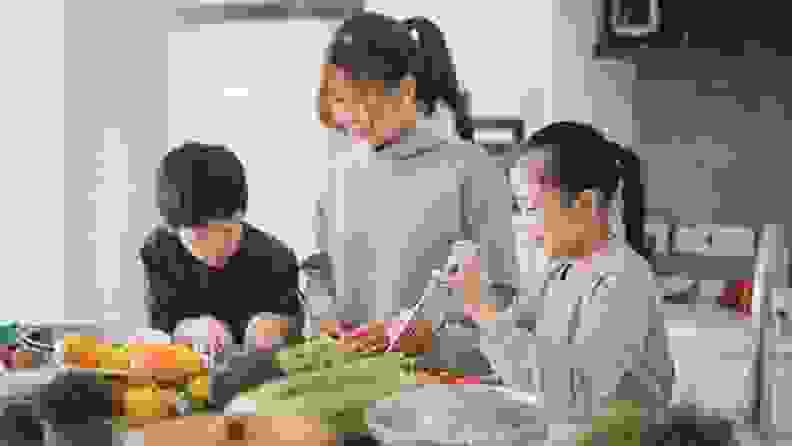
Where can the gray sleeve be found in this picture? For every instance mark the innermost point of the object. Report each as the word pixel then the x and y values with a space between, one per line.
pixel 487 220
pixel 509 347
pixel 322 258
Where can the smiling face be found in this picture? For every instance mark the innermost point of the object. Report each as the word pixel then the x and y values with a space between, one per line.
pixel 370 112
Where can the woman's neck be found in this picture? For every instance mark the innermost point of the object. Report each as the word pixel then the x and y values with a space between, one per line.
pixel 390 141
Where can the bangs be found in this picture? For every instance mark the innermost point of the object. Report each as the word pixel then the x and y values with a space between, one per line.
pixel 338 81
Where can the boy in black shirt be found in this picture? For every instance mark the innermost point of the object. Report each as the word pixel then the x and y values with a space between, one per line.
pixel 206 260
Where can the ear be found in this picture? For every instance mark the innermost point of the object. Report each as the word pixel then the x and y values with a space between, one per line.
pixel 407 89
pixel 586 200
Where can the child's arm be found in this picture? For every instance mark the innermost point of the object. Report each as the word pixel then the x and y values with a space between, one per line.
pixel 321 266
pixel 161 293
pixel 487 220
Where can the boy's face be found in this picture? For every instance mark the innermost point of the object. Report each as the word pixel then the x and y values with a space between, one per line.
pixel 372 113
pixel 214 239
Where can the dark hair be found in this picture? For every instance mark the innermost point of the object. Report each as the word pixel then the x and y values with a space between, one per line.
pixel 373 46
pixel 582 159
pixel 197 183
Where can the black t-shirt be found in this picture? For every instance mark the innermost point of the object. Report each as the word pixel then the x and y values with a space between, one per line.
pixel 262 277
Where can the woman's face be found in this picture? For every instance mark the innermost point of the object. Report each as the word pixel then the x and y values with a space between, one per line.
pixel 371 113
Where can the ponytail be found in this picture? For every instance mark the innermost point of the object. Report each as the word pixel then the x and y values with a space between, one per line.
pixel 634 198
pixel 434 72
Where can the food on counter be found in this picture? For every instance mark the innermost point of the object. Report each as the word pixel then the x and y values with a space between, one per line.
pixel 199 388
pixel 145 402
pixel 84 352
pixel 189 361
pixel 315 354
pixel 74 346
pixel 24 359
pixel 621 426
pixel 337 395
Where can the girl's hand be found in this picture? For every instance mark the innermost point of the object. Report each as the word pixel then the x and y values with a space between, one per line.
pixel 415 338
pixel 369 338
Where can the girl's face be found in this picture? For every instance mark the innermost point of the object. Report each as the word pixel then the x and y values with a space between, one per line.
pixel 527 182
pixel 371 113
pixel 568 231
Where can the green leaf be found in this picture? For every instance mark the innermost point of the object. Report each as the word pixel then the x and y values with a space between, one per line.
pixel 120 424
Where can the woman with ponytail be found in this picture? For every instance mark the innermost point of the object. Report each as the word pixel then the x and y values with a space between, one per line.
pixel 386 223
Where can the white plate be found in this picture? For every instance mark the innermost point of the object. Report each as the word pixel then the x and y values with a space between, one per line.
pixel 522 397
pixel 22 382
pixel 457 414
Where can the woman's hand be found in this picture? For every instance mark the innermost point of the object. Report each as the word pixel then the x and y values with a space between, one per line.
pixel 329 328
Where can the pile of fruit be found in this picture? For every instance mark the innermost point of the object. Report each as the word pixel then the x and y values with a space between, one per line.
pixel 150 381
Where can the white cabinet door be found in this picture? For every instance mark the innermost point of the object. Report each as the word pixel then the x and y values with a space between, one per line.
pixel 252 86
pixel 714 360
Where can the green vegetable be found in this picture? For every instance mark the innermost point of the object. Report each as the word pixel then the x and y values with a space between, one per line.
pixel 621 426
pixel 336 386
pixel 120 424
pixel 315 354
pixel 338 396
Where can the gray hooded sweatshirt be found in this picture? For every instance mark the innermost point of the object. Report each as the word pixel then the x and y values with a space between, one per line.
pixel 386 224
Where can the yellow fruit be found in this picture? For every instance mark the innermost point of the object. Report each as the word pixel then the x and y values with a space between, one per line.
pixel 199 388
pixel 189 361
pixel 116 360
pixel 104 355
pixel 78 343
pixel 143 401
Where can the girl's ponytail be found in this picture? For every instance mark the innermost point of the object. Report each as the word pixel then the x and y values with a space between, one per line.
pixel 634 198
pixel 434 72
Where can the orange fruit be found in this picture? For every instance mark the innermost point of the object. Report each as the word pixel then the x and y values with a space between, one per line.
pixel 165 358
pixel 88 360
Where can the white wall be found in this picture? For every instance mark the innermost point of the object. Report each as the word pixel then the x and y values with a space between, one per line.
pixel 31 173
pixel 585 89
pixel 269 119
pixel 116 125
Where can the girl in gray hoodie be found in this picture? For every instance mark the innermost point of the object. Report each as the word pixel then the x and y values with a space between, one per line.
pixel 395 204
